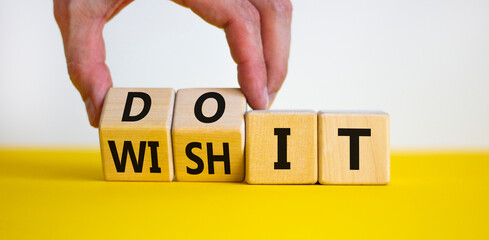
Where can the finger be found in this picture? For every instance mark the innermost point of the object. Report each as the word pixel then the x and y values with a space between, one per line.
pixel 276 16
pixel 241 22
pixel 85 57
pixel 117 8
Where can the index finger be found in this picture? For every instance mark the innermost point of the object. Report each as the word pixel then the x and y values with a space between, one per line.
pixel 276 17
pixel 241 22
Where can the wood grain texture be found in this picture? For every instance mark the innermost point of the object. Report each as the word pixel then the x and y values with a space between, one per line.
pixel 262 147
pixel 334 150
pixel 227 130
pixel 154 127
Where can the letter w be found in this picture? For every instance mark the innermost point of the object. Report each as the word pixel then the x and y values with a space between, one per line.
pixel 120 165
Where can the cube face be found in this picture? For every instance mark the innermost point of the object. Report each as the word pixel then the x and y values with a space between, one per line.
pixel 208 134
pixel 281 147
pixel 137 155
pixel 209 156
pixel 354 148
pixel 134 132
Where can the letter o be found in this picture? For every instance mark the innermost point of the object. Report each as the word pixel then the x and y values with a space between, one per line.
pixel 221 105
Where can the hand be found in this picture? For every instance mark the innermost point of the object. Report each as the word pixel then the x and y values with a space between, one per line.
pixel 257 31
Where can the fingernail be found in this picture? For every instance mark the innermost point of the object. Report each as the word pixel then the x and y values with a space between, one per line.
pixel 271 98
pixel 265 95
pixel 91 110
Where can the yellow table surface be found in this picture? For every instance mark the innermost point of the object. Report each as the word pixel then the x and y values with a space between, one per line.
pixel 61 194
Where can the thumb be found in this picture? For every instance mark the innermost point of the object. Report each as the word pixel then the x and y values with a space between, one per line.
pixel 85 56
pixel 92 81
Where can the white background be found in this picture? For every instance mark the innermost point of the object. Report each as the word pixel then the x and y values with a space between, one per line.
pixel 426 63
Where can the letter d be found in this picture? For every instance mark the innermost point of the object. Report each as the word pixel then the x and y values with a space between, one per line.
pixel 127 109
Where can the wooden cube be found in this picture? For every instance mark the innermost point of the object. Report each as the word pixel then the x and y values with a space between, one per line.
pixel 208 134
pixel 135 134
pixel 281 147
pixel 354 148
